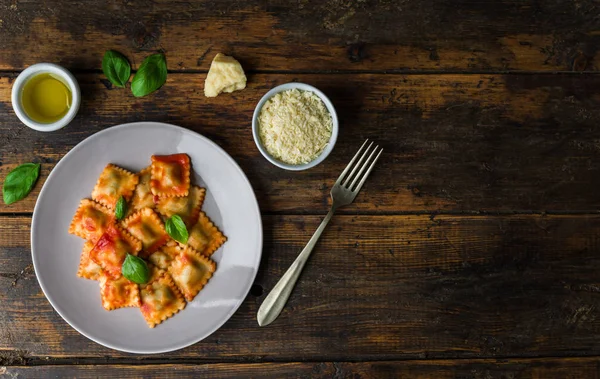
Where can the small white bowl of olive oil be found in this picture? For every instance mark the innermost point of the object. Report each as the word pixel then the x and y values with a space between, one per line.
pixel 45 97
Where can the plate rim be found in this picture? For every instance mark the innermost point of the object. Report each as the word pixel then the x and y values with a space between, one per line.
pixel 234 309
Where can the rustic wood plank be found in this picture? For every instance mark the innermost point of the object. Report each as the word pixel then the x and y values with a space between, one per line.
pixel 377 287
pixel 451 142
pixel 547 368
pixel 308 34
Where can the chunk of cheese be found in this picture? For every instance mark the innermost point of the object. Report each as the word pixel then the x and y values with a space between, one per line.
pixel 225 75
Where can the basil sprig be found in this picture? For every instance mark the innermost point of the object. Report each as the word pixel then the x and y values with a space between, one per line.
pixel 120 208
pixel 135 269
pixel 19 182
pixel 116 68
pixel 176 229
pixel 151 75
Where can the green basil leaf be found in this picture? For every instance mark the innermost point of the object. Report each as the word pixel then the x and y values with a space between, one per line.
pixel 176 229
pixel 135 269
pixel 151 75
pixel 19 182
pixel 116 68
pixel 121 208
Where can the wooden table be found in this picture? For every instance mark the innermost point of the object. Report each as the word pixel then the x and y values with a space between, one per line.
pixel 473 249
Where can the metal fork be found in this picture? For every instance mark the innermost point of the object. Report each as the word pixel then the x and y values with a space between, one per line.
pixel 342 193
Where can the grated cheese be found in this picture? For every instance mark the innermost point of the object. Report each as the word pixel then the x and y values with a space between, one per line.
pixel 295 126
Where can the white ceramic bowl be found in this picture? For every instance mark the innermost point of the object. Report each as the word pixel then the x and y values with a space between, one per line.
pixel 334 129
pixel 41 68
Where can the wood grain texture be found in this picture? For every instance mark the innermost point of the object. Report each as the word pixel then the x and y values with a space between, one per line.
pixel 376 287
pixel 546 368
pixel 308 34
pixel 458 256
pixel 452 143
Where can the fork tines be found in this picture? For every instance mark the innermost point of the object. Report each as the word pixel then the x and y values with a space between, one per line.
pixel 366 160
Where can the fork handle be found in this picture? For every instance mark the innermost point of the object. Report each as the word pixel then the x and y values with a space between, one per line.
pixel 276 299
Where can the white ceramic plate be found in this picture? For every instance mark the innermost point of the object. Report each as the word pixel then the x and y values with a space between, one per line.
pixel 230 203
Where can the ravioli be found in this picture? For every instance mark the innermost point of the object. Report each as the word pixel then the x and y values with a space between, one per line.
pixel 113 183
pixel 170 175
pixel 146 226
pixel 118 293
pixel 88 269
pixel 91 220
pixel 191 271
pixel 205 237
pixel 188 207
pixel 160 300
pixel 112 248
pixel 178 272
pixel 142 195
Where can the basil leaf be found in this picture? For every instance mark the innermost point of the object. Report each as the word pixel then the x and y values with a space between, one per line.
pixel 176 229
pixel 121 208
pixel 19 182
pixel 135 269
pixel 116 68
pixel 151 75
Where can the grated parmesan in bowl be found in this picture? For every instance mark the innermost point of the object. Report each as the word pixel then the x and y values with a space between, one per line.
pixel 295 126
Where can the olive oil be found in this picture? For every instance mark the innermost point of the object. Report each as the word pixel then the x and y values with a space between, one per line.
pixel 45 98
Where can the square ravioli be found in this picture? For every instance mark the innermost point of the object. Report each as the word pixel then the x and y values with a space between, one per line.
pixel 91 220
pixel 170 175
pixel 205 237
pixel 163 257
pixel 113 183
pixel 146 226
pixel 160 300
pixel 191 271
pixel 111 250
pixel 118 293
pixel 88 269
pixel 187 207
pixel 142 195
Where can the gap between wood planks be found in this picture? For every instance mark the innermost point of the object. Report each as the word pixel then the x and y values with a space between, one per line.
pixel 357 72
pixel 20 358
pixel 431 214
